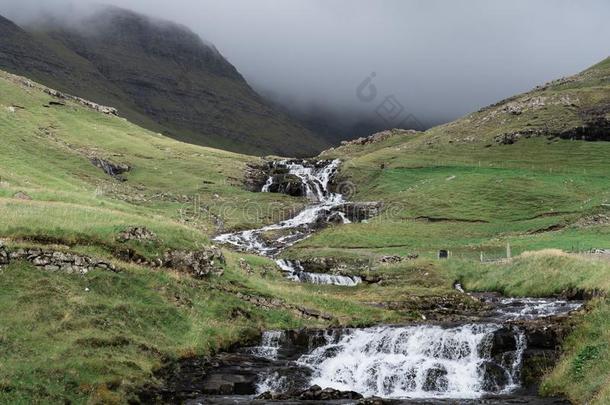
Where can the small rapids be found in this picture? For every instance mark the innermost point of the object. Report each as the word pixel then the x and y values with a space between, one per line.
pixel 468 361
pixel 418 361
pixel 315 181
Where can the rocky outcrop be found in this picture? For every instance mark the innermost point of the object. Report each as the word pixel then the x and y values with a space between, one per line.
pixel 379 137
pixel 276 303
pixel 256 176
pixel 137 233
pixel 331 265
pixel 89 104
pixel 287 184
pixel 360 211
pixel 4 255
pixel 55 261
pixel 198 263
pixel 395 259
pixel 110 168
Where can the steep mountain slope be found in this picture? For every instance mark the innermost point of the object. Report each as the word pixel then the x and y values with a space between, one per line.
pixel 159 75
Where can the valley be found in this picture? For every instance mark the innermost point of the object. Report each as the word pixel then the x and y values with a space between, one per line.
pixel 131 263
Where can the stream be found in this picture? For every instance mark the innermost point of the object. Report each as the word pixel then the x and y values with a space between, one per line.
pixel 487 358
pixel 325 206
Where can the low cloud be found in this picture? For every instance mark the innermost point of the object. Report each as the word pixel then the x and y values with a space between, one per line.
pixel 435 59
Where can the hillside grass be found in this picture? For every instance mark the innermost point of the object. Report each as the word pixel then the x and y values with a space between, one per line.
pixel 184 192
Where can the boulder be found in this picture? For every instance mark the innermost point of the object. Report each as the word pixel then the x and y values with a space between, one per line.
pixel 495 377
pixel 20 195
pixel 54 260
pixel 360 211
pixel 391 259
pixel 315 393
pixel 256 176
pixel 287 184
pixel 4 255
pixel 199 263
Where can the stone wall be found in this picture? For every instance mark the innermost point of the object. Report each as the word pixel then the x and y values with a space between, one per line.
pixel 54 260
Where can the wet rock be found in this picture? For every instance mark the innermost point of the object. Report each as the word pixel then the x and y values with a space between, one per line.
pixel 436 379
pixel 20 195
pixel 495 378
pixel 199 264
pixel 373 401
pixel 287 184
pixel 535 364
pixel 111 169
pixel 502 341
pixel 256 176
pixel 230 384
pixel 137 233
pixel 315 393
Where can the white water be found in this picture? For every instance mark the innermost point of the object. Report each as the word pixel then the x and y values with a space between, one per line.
pixel 296 272
pixel 423 361
pixel 532 308
pixel 315 182
pixel 408 362
pixel 271 342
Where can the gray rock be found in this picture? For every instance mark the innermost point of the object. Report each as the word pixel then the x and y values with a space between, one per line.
pixel 20 195
pixel 201 263
pixel 137 233
pixel 110 168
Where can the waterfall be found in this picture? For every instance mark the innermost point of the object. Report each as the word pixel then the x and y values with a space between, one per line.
pixel 271 342
pixel 296 272
pixel 316 182
pixel 424 361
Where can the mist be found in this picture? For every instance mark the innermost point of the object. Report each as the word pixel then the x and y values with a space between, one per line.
pixel 426 61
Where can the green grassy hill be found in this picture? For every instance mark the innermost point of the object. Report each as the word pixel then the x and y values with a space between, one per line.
pixel 157 74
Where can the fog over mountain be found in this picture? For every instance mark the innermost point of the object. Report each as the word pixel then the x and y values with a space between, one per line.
pixel 439 59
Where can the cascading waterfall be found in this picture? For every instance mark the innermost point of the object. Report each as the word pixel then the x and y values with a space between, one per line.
pixel 413 362
pixel 420 361
pixel 271 343
pixel 295 271
pixel 315 181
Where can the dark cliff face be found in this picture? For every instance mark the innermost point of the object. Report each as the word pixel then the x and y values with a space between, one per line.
pixel 159 75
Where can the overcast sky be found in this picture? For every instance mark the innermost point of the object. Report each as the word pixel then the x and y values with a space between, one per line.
pixel 440 58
